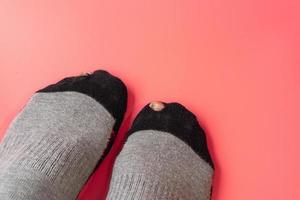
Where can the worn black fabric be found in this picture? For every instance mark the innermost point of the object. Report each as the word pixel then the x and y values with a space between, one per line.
pixel 105 88
pixel 178 121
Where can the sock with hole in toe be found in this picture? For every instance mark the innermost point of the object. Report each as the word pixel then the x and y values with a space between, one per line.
pixel 54 144
pixel 165 157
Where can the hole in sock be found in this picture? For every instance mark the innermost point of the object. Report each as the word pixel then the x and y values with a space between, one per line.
pixel 156 105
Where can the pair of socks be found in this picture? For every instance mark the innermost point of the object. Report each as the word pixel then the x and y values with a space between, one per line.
pixel 66 129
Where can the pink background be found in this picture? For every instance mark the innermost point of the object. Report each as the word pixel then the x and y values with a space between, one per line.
pixel 234 63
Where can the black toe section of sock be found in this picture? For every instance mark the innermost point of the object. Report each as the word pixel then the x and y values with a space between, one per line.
pixel 105 88
pixel 178 121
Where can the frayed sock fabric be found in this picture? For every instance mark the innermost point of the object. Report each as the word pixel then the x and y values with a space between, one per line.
pixel 54 144
pixel 165 157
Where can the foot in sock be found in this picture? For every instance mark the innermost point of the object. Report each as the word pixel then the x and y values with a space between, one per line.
pixel 54 144
pixel 165 157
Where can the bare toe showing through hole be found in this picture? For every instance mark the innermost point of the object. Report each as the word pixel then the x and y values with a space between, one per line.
pixel 156 105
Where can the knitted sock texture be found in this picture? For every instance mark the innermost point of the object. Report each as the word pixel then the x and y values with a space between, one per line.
pixel 53 146
pixel 156 164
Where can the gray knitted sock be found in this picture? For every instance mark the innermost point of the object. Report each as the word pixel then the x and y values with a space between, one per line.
pixel 52 147
pixel 164 157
